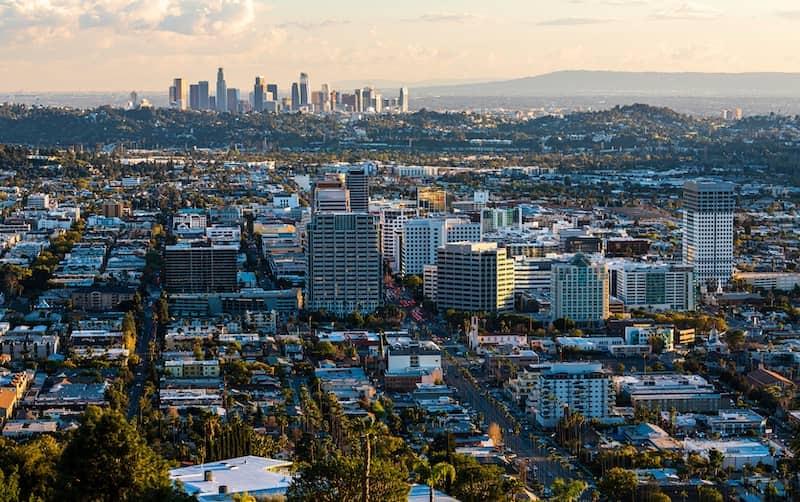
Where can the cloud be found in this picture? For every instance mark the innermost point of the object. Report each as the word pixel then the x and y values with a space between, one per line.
pixel 573 21
pixel 686 12
pixel 308 25
pixel 186 17
pixel 442 17
pixel 788 14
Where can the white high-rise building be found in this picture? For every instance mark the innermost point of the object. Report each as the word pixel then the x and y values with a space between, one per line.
pixel 222 92
pixel 474 277
pixel 580 291
pixel 567 388
pixel 708 230
pixel 423 236
pixel 653 286
pixel 392 221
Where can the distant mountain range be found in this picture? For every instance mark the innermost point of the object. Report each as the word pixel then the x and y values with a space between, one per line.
pixel 609 83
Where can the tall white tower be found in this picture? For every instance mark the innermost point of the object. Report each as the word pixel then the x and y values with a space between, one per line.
pixel 708 230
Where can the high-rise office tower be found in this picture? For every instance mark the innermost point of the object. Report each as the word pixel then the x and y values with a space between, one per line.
pixel 134 99
pixel 708 209
pixel 203 94
pixel 304 91
pixel 359 106
pixel 194 97
pixel 653 286
pixel 172 96
pixel 474 277
pixel 331 194
pixel 295 96
pixel 580 291
pixel 421 237
pixel 272 90
pixel 259 94
pixel 367 97
pixel 222 92
pixel 431 200
pixel 232 98
pixel 199 267
pixel 181 94
pixel 357 182
pixel 377 101
pixel 403 102
pixel 344 264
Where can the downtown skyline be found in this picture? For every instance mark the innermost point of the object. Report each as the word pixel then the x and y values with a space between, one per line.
pixel 139 45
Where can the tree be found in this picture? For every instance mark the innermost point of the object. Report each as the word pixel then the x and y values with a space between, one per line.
pixel 336 478
pixel 107 460
pixel 441 472
pixel 618 484
pixel 495 434
pixel 9 487
pixel 708 494
pixel 734 338
pixel 567 491
pixel 563 324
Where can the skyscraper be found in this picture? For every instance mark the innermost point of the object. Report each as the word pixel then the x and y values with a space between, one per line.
pixel 222 92
pixel 474 277
pixel 304 92
pixel 359 106
pixel 708 230
pixel 259 94
pixel 357 182
pixel 232 98
pixel 272 90
pixel 180 99
pixel 194 97
pixel 579 291
pixel 295 96
pixel 203 93
pixel 403 102
pixel 344 264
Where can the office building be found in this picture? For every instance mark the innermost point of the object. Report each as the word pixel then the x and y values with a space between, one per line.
pixel 38 201
pixel 200 267
pixel 403 101
pixel 562 389
pixel 194 97
pixel 259 94
pixel 684 393
pixel 421 238
pixel 203 103
pixel 357 182
pixel 708 230
pixel 359 101
pixel 233 99
pixel 304 89
pixel 222 92
pixel 345 267
pixel 653 286
pixel 179 94
pixel 272 92
pixel 295 96
pixel 579 291
pixel 474 277
pixel 431 200
pixel 392 221
pixel 493 219
pixel 331 194
pixel 532 275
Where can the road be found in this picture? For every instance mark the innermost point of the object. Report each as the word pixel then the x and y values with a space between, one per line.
pixel 142 370
pixel 525 444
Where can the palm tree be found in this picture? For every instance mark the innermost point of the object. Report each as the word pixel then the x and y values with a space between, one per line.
pixel 433 475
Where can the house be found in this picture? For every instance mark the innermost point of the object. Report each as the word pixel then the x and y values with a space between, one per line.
pixel 8 400
pixel 762 377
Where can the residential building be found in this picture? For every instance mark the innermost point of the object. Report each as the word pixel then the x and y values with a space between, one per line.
pixel 579 291
pixel 708 209
pixel 566 388
pixel 200 267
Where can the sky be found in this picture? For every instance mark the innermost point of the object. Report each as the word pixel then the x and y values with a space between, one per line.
pixel 121 45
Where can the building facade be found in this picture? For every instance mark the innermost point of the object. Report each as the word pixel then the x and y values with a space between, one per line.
pixel 580 291
pixel 708 209
pixel 474 277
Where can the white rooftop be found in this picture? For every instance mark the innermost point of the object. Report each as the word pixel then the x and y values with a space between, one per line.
pixel 251 474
